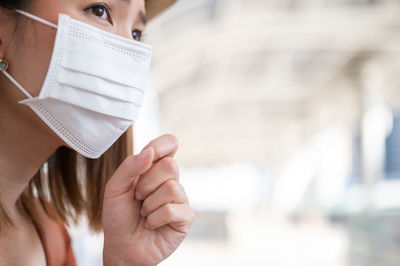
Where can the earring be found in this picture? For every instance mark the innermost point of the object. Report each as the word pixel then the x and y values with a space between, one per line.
pixel 3 65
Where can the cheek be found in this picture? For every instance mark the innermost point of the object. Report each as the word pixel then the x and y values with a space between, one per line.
pixel 36 55
pixel 34 46
pixel 28 54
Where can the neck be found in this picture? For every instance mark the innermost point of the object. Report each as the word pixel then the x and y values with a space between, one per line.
pixel 25 146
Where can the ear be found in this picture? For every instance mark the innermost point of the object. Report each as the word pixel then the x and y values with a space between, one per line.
pixel 7 28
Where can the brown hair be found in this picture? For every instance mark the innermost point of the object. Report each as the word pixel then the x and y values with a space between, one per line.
pixel 73 184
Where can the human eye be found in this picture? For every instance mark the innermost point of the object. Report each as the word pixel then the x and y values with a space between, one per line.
pixel 136 34
pixel 100 10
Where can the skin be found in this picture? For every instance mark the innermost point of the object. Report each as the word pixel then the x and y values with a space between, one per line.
pixel 146 214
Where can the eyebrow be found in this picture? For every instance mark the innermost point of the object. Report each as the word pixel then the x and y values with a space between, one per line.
pixel 142 15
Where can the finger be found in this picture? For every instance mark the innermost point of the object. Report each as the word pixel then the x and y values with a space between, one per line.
pixel 169 192
pixel 178 216
pixel 132 167
pixel 165 145
pixel 164 170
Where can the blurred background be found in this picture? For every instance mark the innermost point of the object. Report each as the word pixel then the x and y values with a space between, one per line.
pixel 287 113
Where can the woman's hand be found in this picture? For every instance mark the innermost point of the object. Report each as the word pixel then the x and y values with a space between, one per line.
pixel 146 214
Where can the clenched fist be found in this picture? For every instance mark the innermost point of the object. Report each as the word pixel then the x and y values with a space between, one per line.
pixel 146 214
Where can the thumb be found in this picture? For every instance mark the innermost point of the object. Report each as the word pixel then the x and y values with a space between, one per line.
pixel 128 173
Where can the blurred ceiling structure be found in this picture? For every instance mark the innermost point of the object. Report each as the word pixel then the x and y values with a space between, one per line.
pixel 252 80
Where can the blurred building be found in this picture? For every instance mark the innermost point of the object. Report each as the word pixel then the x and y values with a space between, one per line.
pixel 267 75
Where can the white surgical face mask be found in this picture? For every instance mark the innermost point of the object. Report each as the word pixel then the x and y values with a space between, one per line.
pixel 94 86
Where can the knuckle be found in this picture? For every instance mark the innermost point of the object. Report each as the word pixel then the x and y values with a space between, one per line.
pixel 145 189
pixel 173 188
pixel 170 165
pixel 169 211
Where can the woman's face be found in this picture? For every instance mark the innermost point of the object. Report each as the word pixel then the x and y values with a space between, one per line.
pixel 27 45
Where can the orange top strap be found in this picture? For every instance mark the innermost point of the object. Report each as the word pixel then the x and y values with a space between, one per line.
pixel 55 238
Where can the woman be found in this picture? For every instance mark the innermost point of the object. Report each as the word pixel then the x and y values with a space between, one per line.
pixel 74 72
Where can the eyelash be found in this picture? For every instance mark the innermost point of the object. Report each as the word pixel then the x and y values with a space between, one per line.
pixel 101 5
pixel 108 13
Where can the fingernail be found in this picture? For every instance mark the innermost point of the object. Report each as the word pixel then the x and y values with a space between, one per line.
pixel 144 153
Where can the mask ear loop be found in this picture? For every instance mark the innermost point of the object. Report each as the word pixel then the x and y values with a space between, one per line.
pixel 3 69
pixel 4 64
pixel 36 18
